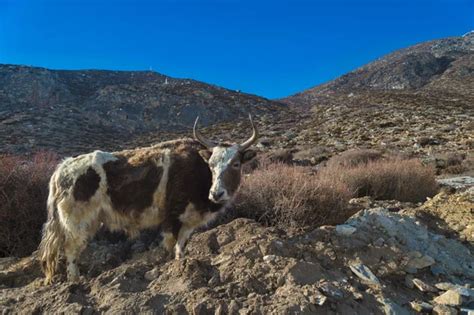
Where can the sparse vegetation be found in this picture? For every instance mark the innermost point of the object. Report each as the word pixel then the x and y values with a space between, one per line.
pixel 458 163
pixel 291 196
pixel 355 157
pixel 394 178
pixel 23 194
pixel 294 196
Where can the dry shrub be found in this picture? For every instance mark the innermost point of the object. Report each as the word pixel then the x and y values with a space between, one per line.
pixel 398 179
pixel 294 197
pixel 458 163
pixel 280 156
pixel 291 196
pixel 354 157
pixel 23 194
pixel 311 156
pixel 277 156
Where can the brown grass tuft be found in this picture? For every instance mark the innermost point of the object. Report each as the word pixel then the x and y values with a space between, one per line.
pixel 354 157
pixel 291 196
pixel 458 164
pixel 398 179
pixel 294 197
pixel 23 194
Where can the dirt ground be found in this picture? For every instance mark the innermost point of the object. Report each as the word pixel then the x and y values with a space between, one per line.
pixel 384 260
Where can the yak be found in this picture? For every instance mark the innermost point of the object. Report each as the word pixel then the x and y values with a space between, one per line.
pixel 178 185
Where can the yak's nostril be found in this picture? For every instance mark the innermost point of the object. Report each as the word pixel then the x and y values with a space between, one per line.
pixel 218 195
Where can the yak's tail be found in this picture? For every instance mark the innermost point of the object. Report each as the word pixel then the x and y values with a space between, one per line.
pixel 53 236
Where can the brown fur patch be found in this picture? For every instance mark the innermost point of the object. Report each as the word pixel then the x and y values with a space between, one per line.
pixel 86 185
pixel 189 182
pixel 231 179
pixel 141 155
pixel 131 186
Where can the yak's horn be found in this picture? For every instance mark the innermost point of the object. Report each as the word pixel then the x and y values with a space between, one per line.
pixel 252 139
pixel 197 135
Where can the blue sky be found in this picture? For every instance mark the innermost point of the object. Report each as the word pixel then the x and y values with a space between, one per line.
pixel 270 48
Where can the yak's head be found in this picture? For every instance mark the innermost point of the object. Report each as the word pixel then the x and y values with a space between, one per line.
pixel 225 162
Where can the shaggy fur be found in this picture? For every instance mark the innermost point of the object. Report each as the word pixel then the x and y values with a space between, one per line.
pixel 168 185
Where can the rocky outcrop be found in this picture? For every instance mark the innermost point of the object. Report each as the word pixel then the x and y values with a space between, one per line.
pixel 389 263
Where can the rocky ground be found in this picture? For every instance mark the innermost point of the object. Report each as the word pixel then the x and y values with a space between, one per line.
pixel 442 136
pixel 390 258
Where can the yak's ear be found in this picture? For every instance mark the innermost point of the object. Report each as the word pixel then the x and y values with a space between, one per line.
pixel 248 155
pixel 205 154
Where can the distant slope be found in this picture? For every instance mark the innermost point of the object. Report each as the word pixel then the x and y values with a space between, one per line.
pixel 439 68
pixel 73 111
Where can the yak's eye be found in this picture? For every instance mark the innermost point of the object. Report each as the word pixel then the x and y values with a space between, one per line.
pixel 236 165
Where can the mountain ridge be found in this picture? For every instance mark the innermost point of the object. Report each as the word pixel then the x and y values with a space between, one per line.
pixel 102 106
pixel 445 65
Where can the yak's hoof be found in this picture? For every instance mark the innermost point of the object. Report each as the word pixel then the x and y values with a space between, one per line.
pixel 48 281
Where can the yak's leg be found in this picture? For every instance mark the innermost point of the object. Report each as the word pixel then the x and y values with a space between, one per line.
pixel 183 236
pixel 76 242
pixel 168 241
pixel 170 231
pixel 72 250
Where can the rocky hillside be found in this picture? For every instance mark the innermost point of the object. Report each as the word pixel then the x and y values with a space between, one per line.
pixel 379 262
pixel 47 109
pixel 418 100
pixel 442 68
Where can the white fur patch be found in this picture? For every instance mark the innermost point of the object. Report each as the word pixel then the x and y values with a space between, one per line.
pixel 221 158
pixel 219 161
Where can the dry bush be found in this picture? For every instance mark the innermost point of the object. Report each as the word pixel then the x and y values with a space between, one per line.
pixel 398 179
pixel 277 156
pixel 311 156
pixel 458 164
pixel 291 196
pixel 280 156
pixel 23 195
pixel 354 157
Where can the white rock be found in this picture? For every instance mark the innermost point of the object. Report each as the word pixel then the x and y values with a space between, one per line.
pixel 364 273
pixel 269 258
pixel 457 182
pixel 345 229
pixel 444 310
pixel 423 287
pixel 152 274
pixel 452 257
pixel 450 297
pixel 445 286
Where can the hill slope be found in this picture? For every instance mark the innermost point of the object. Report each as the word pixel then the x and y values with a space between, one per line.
pixel 443 67
pixel 44 109
pixel 418 100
